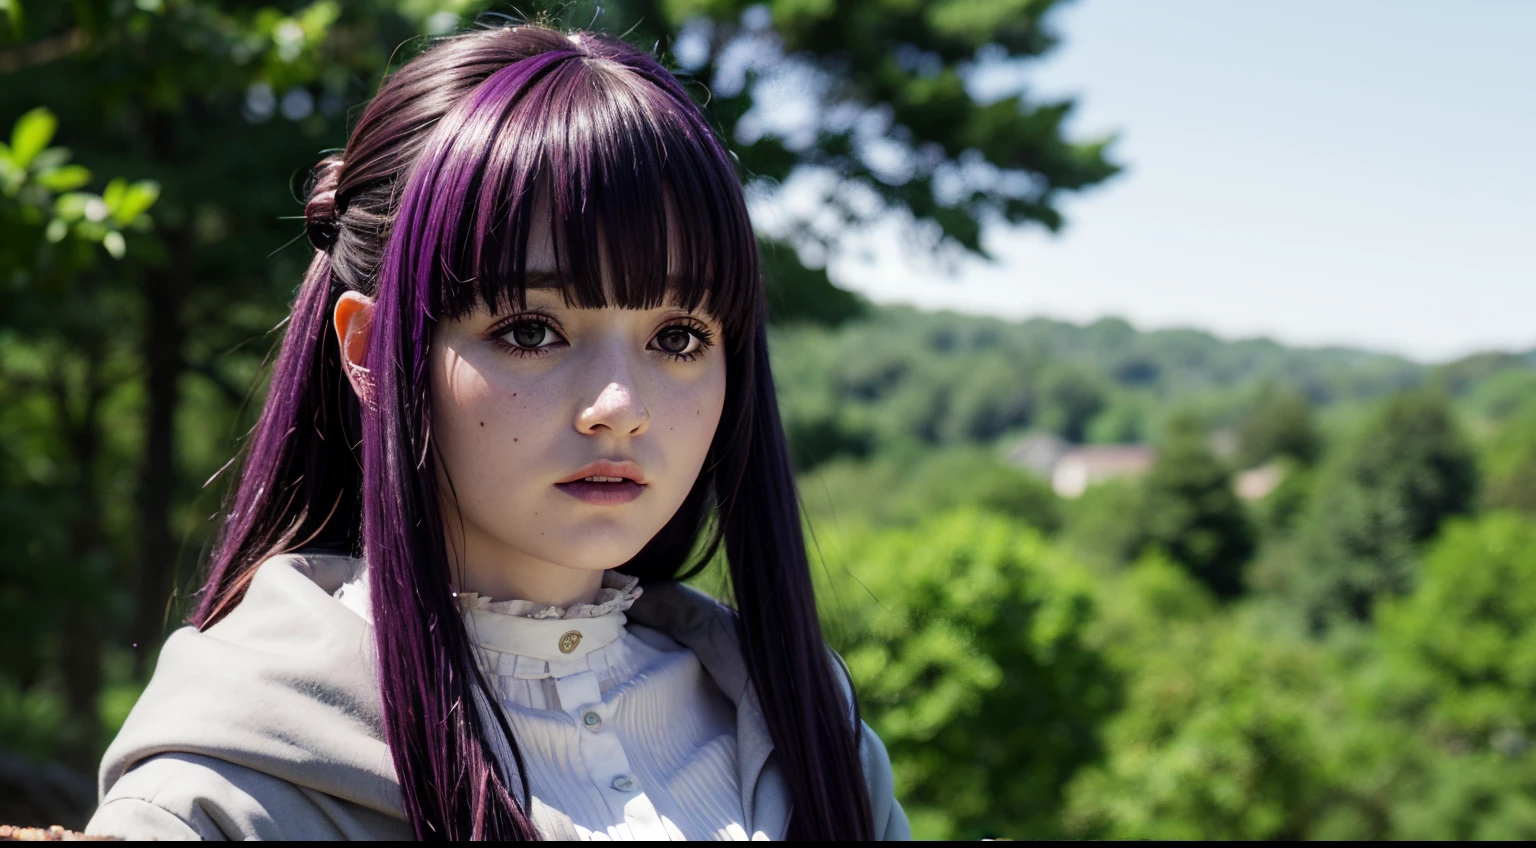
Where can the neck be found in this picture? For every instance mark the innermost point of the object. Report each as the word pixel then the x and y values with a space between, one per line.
pixel 506 575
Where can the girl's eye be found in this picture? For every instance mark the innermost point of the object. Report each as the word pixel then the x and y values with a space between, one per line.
pixel 682 342
pixel 677 341
pixel 530 337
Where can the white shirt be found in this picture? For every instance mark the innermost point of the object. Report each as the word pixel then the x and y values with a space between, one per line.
pixel 620 727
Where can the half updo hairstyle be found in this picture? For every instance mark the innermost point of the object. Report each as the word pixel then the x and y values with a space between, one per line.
pixel 428 211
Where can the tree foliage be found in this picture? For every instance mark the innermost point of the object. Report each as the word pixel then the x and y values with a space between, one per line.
pixel 1190 512
pixel 63 360
pixel 1404 475
pixel 1467 630
pixel 1280 425
pixel 967 628
pixel 1218 740
pixel 904 488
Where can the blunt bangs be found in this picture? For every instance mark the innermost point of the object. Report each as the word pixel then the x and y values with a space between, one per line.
pixel 640 200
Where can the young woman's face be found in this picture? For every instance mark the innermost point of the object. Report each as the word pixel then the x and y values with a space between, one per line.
pixel 569 436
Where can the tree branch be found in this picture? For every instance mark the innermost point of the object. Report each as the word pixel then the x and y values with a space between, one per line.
pixel 44 51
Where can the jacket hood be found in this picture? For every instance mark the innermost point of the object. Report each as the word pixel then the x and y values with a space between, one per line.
pixel 284 684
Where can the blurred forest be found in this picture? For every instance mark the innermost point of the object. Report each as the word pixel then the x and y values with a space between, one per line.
pixel 1344 654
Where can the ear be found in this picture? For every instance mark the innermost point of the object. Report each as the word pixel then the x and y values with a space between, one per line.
pixel 354 321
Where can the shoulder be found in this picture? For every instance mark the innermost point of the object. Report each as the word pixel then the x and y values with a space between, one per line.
pixel 191 796
pixel 188 796
pixel 889 818
pixel 708 627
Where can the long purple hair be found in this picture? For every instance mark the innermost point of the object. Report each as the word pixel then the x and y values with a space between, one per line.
pixel 428 211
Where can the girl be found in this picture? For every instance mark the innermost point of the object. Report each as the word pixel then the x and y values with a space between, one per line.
pixel 524 390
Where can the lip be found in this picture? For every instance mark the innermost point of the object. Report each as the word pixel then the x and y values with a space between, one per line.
pixel 609 468
pixel 606 494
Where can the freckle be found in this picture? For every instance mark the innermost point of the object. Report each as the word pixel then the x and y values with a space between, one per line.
pixel 514 438
pixel 514 394
pixel 482 423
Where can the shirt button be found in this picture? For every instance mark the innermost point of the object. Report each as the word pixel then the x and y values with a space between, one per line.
pixel 592 720
pixel 624 783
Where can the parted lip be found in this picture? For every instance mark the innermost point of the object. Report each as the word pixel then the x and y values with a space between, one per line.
pixel 625 468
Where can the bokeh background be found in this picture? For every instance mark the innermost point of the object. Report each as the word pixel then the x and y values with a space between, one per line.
pixel 1161 377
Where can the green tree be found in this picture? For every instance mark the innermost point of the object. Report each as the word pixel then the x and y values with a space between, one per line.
pixel 965 636
pixel 1437 745
pixel 802 294
pixel 1070 397
pixel 1510 463
pixel 1220 738
pixel 1515 487
pixel 1100 526
pixel 904 487
pixel 1189 511
pixel 1279 425
pixel 63 366
pixel 1402 477
pixel 1467 631
pixel 892 124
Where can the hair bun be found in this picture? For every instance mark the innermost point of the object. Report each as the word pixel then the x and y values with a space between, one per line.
pixel 321 221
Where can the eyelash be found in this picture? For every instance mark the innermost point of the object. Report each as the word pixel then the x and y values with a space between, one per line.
pixel 695 329
pixel 691 326
pixel 499 333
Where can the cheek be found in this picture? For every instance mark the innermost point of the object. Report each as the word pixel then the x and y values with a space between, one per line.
pixel 692 414
pixel 483 426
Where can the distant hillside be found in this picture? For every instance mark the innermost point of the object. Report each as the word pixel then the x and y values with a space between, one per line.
pixel 898 375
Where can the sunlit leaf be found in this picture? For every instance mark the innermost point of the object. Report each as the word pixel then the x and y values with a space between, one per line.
pixel 114 244
pixel 72 206
pixel 12 11
pixel 31 135
pixel 66 178
pixel 135 200
pixel 113 195
pixel 50 159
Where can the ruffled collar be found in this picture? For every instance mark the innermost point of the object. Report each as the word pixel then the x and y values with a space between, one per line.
pixel 551 634
pixel 617 594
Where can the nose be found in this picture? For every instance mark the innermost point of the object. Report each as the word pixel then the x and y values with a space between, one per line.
pixel 616 408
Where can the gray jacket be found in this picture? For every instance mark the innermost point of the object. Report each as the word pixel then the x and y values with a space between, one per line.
pixel 268 724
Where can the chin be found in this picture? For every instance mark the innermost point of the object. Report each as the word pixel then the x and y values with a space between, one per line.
pixel 597 548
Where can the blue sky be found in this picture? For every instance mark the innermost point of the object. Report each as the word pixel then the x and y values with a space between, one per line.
pixel 1360 172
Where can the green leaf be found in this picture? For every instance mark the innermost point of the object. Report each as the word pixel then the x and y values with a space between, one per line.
pixel 71 206
pixel 67 178
pixel 135 200
pixel 12 10
pixel 31 135
pixel 113 196
pixel 113 242
pixel 50 159
pixel 57 230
